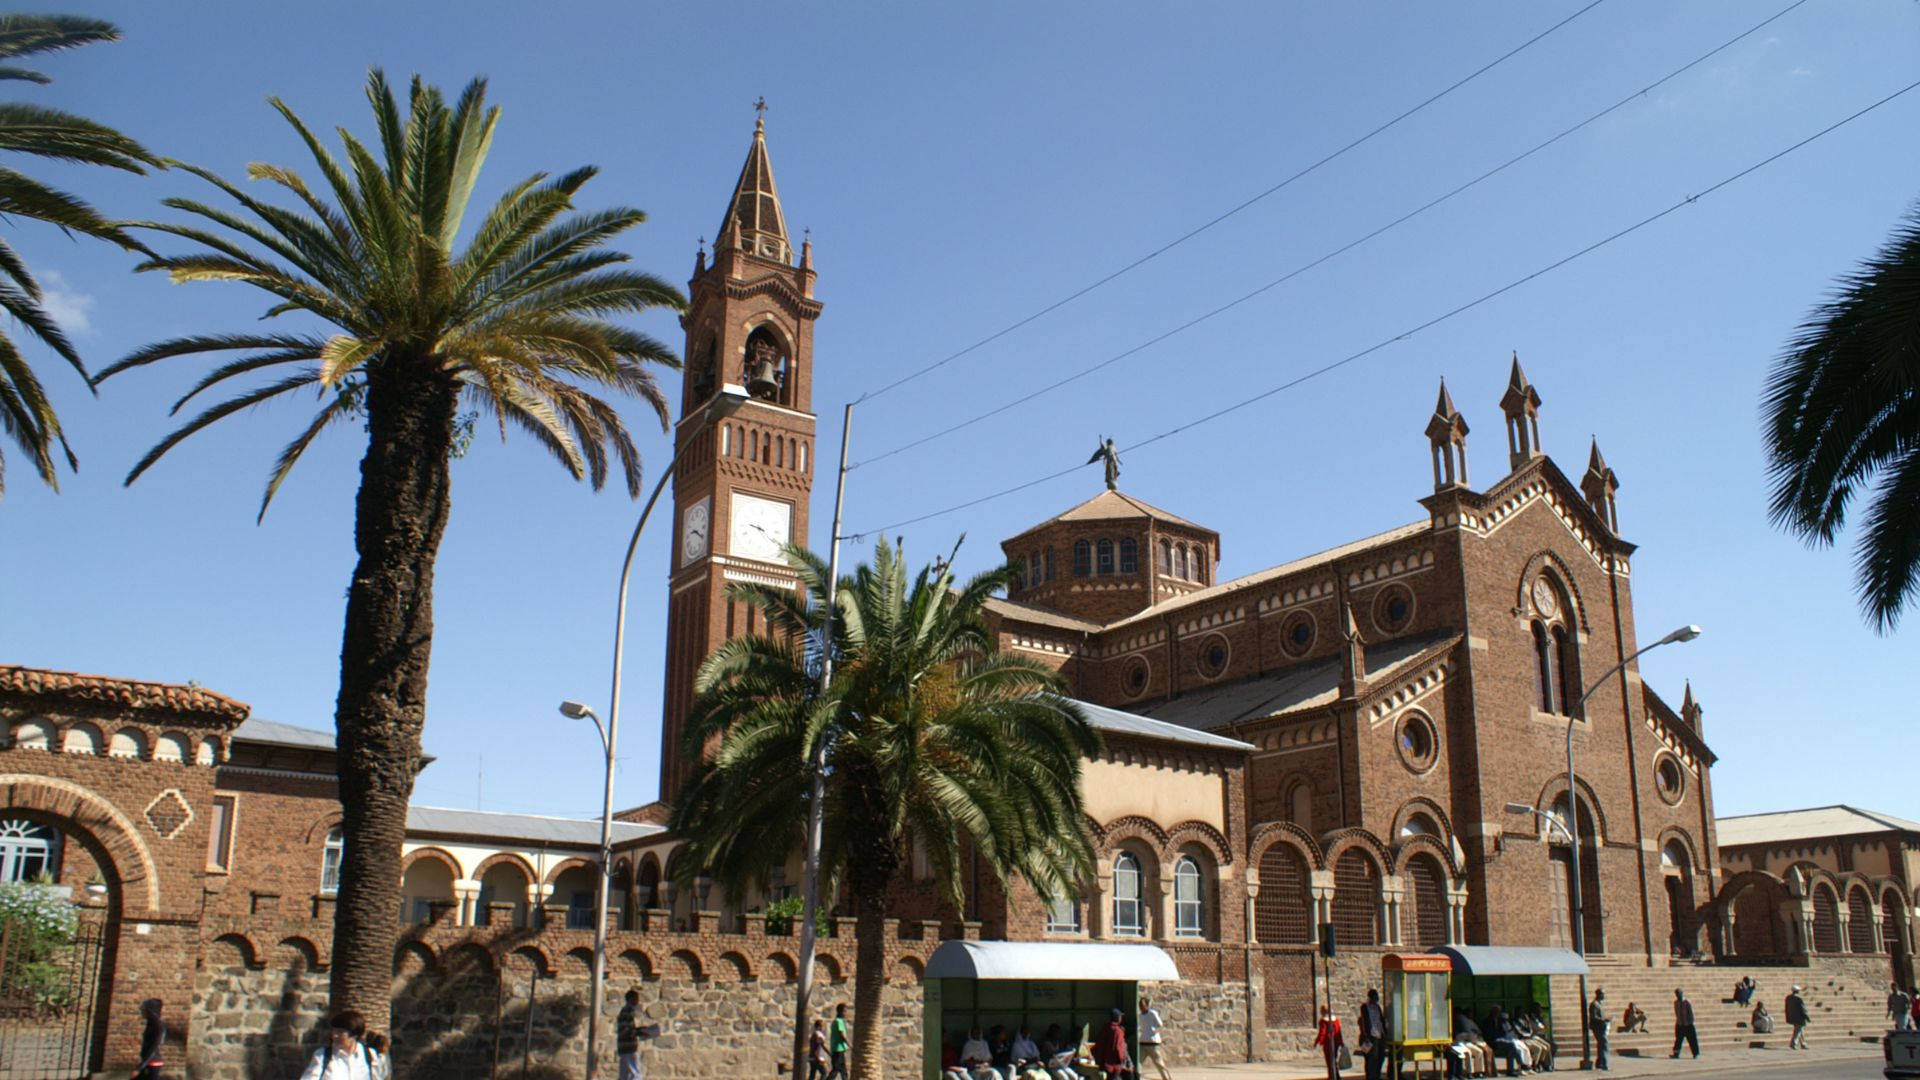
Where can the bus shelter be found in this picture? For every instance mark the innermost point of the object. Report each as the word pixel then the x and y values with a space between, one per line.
pixel 1514 977
pixel 1074 984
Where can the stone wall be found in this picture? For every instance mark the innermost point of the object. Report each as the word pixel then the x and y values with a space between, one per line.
pixel 468 1004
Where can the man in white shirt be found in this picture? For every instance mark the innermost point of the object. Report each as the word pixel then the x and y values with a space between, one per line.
pixel 1150 1034
pixel 344 1057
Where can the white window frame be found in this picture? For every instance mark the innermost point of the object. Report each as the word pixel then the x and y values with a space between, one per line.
pixel 330 858
pixel 1063 915
pixel 1127 879
pixel 1189 891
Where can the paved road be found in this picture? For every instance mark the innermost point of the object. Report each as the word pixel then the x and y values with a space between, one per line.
pixel 1841 1061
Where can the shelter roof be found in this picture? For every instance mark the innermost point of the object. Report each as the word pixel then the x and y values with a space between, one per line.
pixel 1512 960
pixel 1785 825
pixel 1088 960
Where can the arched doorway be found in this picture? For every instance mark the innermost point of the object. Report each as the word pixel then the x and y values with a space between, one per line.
pixel 1826 919
pixel 1356 898
pixel 1283 912
pixel 1560 880
pixel 1859 920
pixel 1676 869
pixel 1429 880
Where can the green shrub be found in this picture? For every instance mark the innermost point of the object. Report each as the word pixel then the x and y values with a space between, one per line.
pixel 42 923
pixel 784 914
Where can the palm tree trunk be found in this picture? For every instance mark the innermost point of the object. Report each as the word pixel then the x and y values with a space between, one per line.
pixel 399 517
pixel 868 984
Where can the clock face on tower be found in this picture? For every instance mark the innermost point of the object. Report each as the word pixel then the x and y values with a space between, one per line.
pixel 760 527
pixel 696 529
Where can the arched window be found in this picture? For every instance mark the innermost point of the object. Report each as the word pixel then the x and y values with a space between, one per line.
pixel 1166 557
pixel 1826 920
pixel 28 851
pixel 1544 683
pixel 1033 570
pixel 1082 558
pixel 1419 824
pixel 1049 564
pixel 1180 561
pixel 1356 899
pixel 330 863
pixel 1129 557
pixel 803 456
pixel 1567 661
pixel 1128 912
pixel 1430 918
pixel 1187 889
pixel 1103 557
pixel 1200 565
pixel 1859 921
pixel 1283 911
pixel 1300 804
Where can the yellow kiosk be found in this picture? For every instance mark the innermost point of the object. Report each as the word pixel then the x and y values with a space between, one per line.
pixel 1419 1010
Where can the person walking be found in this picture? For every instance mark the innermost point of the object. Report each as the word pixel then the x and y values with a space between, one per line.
pixel 838 1040
pixel 1599 1023
pixel 1797 1017
pixel 1899 1008
pixel 1683 1029
pixel 1151 1032
pixel 1328 1039
pixel 627 1033
pixel 344 1057
pixel 817 1050
pixel 153 1040
pixel 1373 1034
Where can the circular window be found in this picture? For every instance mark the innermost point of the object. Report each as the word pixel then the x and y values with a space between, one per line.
pixel 1136 676
pixel 1296 636
pixel 1393 608
pixel 1669 779
pixel 1419 745
pixel 1214 652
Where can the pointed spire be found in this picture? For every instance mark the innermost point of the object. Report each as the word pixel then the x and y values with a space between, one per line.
pixel 1521 403
pixel 1447 436
pixel 1598 485
pixel 1690 710
pixel 754 221
pixel 1353 654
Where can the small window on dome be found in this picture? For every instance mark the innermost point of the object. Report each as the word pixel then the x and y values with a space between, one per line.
pixel 1103 558
pixel 1129 557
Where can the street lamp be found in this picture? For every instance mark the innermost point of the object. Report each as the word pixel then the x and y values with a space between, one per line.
pixel 1570 825
pixel 721 405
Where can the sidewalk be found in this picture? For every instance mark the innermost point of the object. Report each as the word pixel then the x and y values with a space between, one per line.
pixel 1719 1063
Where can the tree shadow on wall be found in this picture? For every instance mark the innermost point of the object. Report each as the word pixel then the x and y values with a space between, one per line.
pixel 465 1017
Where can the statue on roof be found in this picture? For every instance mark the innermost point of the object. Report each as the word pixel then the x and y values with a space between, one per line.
pixel 1110 454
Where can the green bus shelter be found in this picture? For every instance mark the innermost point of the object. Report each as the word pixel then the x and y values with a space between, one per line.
pixel 1512 977
pixel 1075 984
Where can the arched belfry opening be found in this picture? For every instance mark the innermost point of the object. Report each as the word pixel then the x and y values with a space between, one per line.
pixel 768 366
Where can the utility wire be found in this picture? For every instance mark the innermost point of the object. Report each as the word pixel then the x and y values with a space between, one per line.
pixel 1341 250
pixel 1434 321
pixel 1184 237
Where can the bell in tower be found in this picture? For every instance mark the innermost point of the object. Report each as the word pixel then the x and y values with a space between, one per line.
pixel 765 368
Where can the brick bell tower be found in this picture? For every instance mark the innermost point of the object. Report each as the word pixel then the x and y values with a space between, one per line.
pixel 741 487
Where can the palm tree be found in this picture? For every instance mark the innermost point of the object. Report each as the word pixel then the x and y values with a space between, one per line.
pixel 25 413
pixel 508 326
pixel 935 740
pixel 1842 413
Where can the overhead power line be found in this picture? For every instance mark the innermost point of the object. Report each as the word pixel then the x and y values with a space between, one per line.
pixel 1189 324
pixel 1428 324
pixel 1196 231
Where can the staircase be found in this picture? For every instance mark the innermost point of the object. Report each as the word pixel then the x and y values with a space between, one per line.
pixel 1842 1009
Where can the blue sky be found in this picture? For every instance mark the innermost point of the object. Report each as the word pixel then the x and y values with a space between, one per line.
pixel 962 167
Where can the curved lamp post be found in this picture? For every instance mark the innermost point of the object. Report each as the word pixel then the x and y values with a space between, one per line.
pixel 722 404
pixel 1570 825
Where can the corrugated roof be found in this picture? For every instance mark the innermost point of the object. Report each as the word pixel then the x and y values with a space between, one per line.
pixel 1033 613
pixel 1212 592
pixel 1301 686
pixel 256 730
pixel 1126 723
pixel 533 828
pixel 1788 825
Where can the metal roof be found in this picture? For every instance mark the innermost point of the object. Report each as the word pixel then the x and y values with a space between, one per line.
pixel 256 730
pixel 1041 616
pixel 1089 960
pixel 532 828
pixel 1126 723
pixel 1303 685
pixel 1787 825
pixel 1512 960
